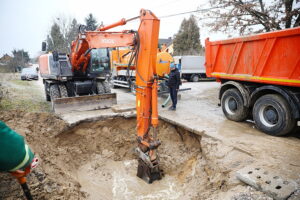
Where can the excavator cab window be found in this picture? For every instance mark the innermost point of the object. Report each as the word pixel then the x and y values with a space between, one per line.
pixel 99 60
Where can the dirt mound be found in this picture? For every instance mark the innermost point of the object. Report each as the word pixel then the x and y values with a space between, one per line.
pixel 48 181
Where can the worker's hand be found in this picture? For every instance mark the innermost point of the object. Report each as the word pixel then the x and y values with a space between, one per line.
pixel 34 163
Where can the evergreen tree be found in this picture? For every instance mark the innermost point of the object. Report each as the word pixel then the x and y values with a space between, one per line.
pixel 50 46
pixel 90 22
pixel 72 33
pixel 56 40
pixel 187 40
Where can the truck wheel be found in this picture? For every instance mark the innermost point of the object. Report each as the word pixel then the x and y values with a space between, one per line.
pixel 54 92
pixel 100 88
pixel 106 87
pixel 233 105
pixel 273 115
pixel 195 78
pixel 46 93
pixel 63 91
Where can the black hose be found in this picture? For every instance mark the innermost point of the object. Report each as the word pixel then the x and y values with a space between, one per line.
pixel 26 191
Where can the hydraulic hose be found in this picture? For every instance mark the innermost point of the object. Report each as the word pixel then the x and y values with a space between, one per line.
pixel 166 101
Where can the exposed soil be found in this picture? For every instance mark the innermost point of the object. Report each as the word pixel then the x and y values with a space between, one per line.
pixel 95 160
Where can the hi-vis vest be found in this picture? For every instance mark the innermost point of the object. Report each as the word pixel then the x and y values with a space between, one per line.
pixel 14 152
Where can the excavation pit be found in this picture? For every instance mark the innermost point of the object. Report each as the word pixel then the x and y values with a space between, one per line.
pixel 99 155
pixel 95 160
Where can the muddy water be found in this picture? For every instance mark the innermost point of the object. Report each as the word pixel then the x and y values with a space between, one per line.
pixel 117 180
pixel 107 168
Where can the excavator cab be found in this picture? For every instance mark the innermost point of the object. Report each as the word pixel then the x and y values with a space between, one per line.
pixel 99 65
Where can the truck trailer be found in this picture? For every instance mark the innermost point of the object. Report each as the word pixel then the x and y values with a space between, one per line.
pixel 191 67
pixel 260 79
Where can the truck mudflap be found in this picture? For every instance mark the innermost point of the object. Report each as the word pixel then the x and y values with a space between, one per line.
pixel 84 103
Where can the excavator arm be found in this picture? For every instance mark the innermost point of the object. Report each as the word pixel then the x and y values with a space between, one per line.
pixel 144 43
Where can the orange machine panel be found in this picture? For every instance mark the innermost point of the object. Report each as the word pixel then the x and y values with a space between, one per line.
pixel 120 60
pixel 271 58
pixel 44 64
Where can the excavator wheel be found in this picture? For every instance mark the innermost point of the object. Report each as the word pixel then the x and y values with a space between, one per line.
pixel 54 92
pixel 63 91
pixel 106 87
pixel 147 173
pixel 100 88
pixel 48 98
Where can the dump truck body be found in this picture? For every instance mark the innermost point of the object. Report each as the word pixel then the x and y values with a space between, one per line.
pixel 260 78
pixel 270 58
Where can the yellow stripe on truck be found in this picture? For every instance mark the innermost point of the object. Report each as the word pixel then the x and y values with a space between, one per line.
pixel 255 78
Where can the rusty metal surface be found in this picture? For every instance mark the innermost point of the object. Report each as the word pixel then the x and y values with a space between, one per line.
pixel 84 103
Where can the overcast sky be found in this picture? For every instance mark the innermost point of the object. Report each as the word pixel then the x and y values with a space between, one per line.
pixel 25 23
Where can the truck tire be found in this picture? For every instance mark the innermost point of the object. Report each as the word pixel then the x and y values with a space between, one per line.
pixel 273 115
pixel 100 88
pixel 233 105
pixel 195 78
pixel 63 91
pixel 48 98
pixel 106 87
pixel 54 92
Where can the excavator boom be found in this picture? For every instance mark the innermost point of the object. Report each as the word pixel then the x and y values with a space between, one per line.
pixel 144 43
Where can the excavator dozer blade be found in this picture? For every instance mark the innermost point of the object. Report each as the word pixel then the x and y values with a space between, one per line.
pixel 84 103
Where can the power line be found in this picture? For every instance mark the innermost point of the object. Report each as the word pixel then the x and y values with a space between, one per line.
pixel 167 3
pixel 193 11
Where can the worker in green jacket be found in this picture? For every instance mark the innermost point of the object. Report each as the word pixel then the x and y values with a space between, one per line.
pixel 16 157
pixel 14 152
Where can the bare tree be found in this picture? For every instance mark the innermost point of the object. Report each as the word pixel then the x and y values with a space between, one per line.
pixel 63 31
pixel 253 16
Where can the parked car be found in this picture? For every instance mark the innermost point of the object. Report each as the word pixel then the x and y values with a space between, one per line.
pixel 29 74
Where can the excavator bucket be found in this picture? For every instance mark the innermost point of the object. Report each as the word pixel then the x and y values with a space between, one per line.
pixel 84 103
pixel 148 173
pixel 147 170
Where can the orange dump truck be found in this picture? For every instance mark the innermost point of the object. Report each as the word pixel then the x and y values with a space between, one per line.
pixel 260 77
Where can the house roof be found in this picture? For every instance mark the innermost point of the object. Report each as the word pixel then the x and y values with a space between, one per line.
pixel 5 58
pixel 167 41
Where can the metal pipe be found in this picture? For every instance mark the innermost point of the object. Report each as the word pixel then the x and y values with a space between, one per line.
pixel 119 23
pixel 180 90
pixel 166 102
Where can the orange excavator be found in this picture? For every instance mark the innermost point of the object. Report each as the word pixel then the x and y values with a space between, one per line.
pixel 96 46
pixel 144 43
